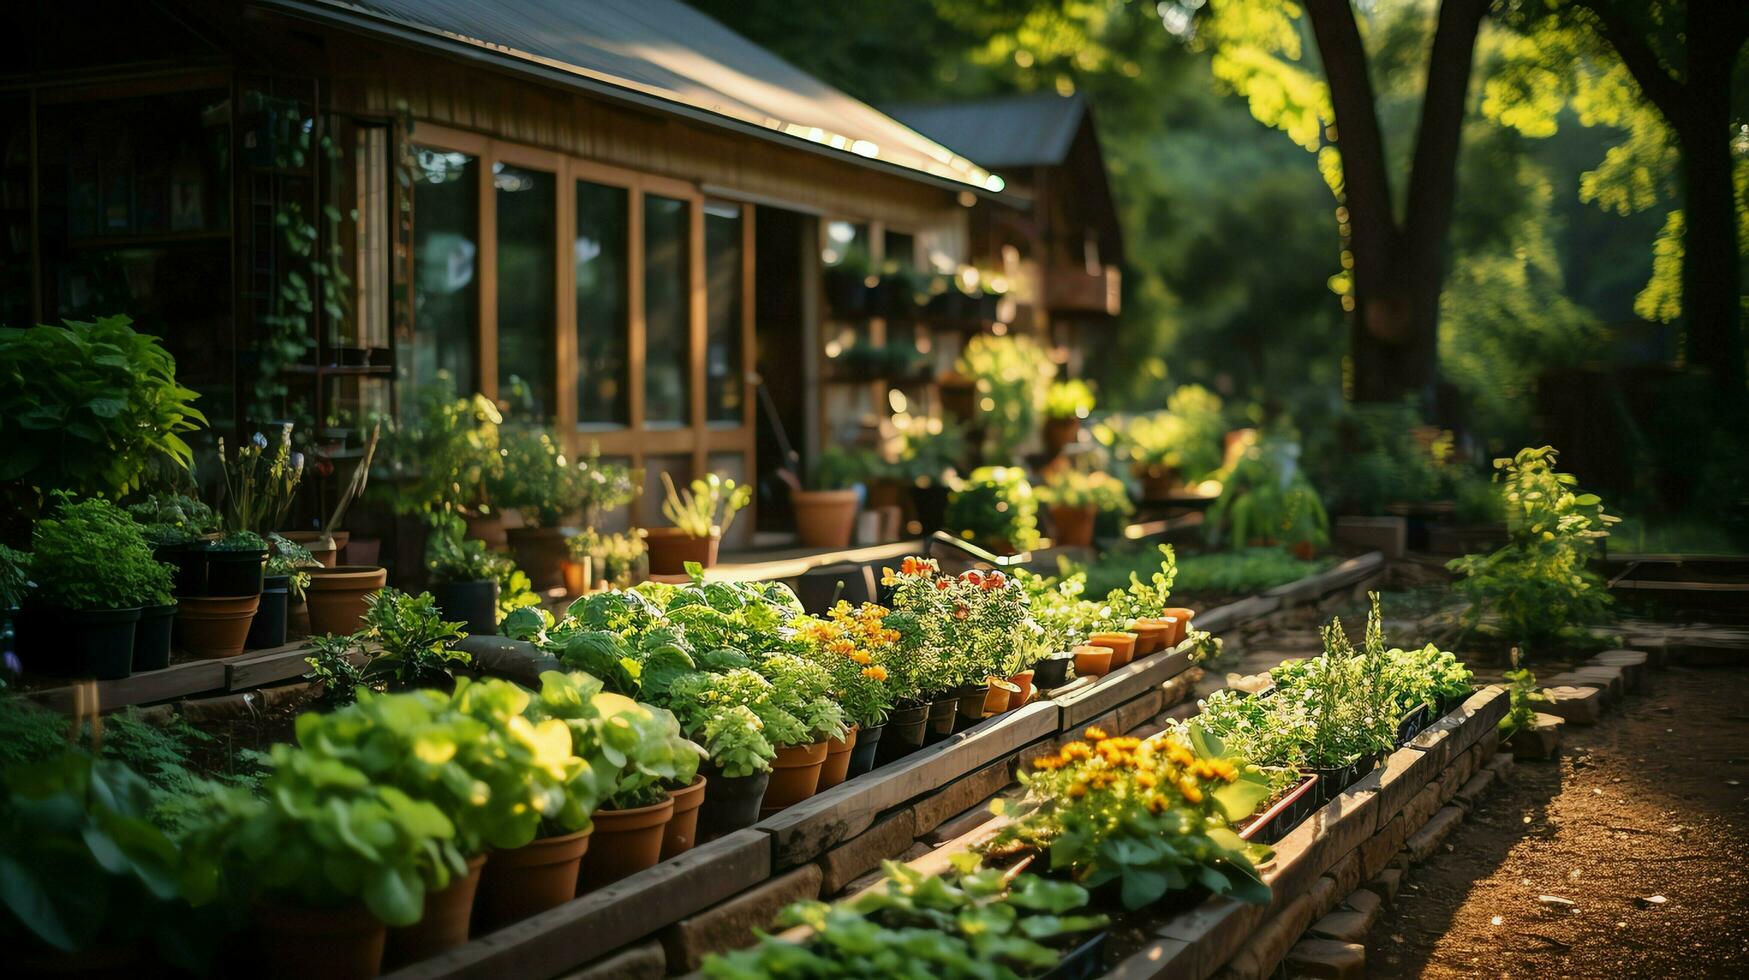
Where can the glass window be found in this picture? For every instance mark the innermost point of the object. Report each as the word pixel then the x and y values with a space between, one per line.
pixel 527 321
pixel 723 305
pixel 599 256
pixel 446 297
pixel 900 249
pixel 666 303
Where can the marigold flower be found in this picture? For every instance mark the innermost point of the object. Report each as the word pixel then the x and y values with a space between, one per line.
pixel 875 673
pixel 1094 734
pixel 861 657
pixel 1077 790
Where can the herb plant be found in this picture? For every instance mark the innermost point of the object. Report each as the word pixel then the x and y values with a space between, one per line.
pixel 1009 376
pixel 443 457
pixel 618 557
pixel 89 554
pixel 1266 499
pixel 995 507
pixel 260 486
pixel 169 518
pixel 708 506
pixel 1069 486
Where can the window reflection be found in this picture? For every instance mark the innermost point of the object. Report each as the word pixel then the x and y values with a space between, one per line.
pixel 446 225
pixel 666 345
pixel 527 322
pixel 599 255
pixel 723 305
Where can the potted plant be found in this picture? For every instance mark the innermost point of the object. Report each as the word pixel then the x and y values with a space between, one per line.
pixel 444 458
pixel 995 508
pixel 618 558
pixel 930 452
pixel 731 715
pixel 463 574
pixel 700 516
pixel 1182 443
pixel 1066 404
pixel 1010 375
pixel 1267 500
pixel 631 825
pixel 852 643
pixel 802 689
pixel 535 479
pixel 94 574
pixel 826 509
pixel 179 528
pixel 287 578
pixel 216 624
pixel 1075 498
pixel 339 597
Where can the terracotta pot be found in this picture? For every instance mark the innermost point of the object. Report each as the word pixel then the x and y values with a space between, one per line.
pixel 1123 646
pixel 213 627
pixel 297 943
pixel 1304 551
pixel 626 842
pixel 1150 635
pixel 540 551
pixel 795 776
pixel 321 547
pixel 1092 661
pixel 671 548
pixel 532 878
pixel 1022 680
pixel 995 700
pixel 336 596
pixel 359 551
pixel 682 830
pixel 1182 628
pixel 1072 527
pixel 488 528
pixel 837 766
pixel 1157 482
pixel 445 922
pixel 1060 434
pixel 825 518
pixel 579 575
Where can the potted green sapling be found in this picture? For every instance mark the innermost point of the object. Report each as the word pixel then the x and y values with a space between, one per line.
pixel 535 479
pixel 700 515
pixel 826 504
pixel 179 528
pixel 463 574
pixel 285 583
pixel 1067 403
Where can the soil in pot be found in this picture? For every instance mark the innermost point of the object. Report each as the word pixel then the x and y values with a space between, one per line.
pixel 1151 635
pixel 235 573
pixel 473 604
pixel 213 627
pixel 189 561
pixel 942 713
pixel 539 552
pixel 795 776
pixel 336 597
pixel 296 943
pixel 626 842
pixel 670 549
pixel 682 831
pixel 152 637
pixel 444 925
pixel 837 766
pixel 1092 661
pixel 732 803
pixel 268 629
pixel 77 642
pixel 1122 646
pixel 904 733
pixel 322 547
pixel 1072 527
pixel 825 518
pixel 1053 671
pixel 862 757
pixel 532 878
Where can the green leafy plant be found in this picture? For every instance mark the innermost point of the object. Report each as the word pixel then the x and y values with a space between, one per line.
pixel 1185 438
pixel 621 558
pixel 1426 676
pixel 1524 695
pixel 1540 585
pixel 1070 486
pixel 293 560
pixel 172 518
pixel 969 628
pixel 1266 499
pixel 89 554
pixel 14 577
pixel 805 689
pixel 89 408
pixel 444 457
pixel 838 468
pixel 413 643
pixel 707 507
pixel 929 450
pixel 259 486
pixel 1009 375
pixel 1072 399
pixel 996 508
pixel 452 556
pixel 337 664
pixel 240 541
pixel 535 479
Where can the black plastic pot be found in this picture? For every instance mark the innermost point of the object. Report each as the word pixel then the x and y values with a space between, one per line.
pixel 1084 961
pixel 971 709
pixel 1274 823
pixel 268 628
pixel 1331 782
pixel 941 718
pixel 473 604
pixel 78 642
pixel 152 637
pixel 731 804
pixel 1412 725
pixel 235 572
pixel 931 505
pixel 903 734
pixel 862 756
pixel 189 560
pixel 1053 671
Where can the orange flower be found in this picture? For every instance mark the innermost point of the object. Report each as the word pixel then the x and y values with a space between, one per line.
pixel 875 673
pixel 1094 734
pixel 861 657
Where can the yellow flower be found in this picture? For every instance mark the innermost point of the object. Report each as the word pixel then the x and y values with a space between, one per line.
pixel 1094 734
pixel 861 657
pixel 875 673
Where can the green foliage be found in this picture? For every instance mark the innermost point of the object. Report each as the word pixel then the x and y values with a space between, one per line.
pixel 240 541
pixel 89 408
pixel 1071 399
pixel 452 556
pixel 1540 584
pixel 336 663
pixel 1244 570
pixel 618 557
pixel 930 449
pixel 173 518
pixel 259 486
pixel 1010 375
pixel 995 507
pixel 404 643
pixel 804 689
pixel 971 628
pixel 840 469
pixel 1266 499
pixel 696 509
pixel 83 536
pixel 1070 486
pixel 735 716
pixel 534 478
pixel 443 458
pixel 1185 437
pixel 974 924
pixel 14 577
pixel 1524 695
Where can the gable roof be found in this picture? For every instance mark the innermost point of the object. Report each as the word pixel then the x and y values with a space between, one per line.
pixel 659 54
pixel 1029 130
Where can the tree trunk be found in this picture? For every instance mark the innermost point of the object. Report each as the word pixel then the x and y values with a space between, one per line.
pixel 1711 267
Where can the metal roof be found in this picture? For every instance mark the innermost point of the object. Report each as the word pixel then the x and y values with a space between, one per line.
pixel 1005 131
pixel 661 54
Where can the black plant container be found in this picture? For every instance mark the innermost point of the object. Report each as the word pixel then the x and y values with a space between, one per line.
pixel 862 756
pixel 942 714
pixel 1053 671
pixel 473 604
pixel 268 628
pixel 903 734
pixel 731 804
pixel 1083 962
pixel 931 504
pixel 152 638
pixel 1412 724
pixel 188 558
pixel 78 642
pixel 235 573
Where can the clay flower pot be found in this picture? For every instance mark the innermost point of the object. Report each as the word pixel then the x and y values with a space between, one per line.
pixel 532 878
pixel 1092 661
pixel 1060 434
pixel 670 549
pixel 323 548
pixel 1150 635
pixel 837 766
pixel 1181 628
pixel 445 922
pixel 579 575
pixel 825 518
pixel 293 943
pixel 626 842
pixel 540 551
pixel 336 596
pixel 213 627
pixel 995 699
pixel 1073 526
pixel 1022 680
pixel 1123 646
pixel 795 776
pixel 682 830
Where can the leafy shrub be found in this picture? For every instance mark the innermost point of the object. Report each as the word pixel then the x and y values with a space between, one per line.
pixel 1187 436
pixel 1070 486
pixel 973 627
pixel 996 508
pixel 404 643
pixel 452 556
pixel 1072 399
pixel 91 555
pixel 443 457
pixel 930 449
pixel 170 518
pixel 1010 375
pixel 89 408
pixel 1266 498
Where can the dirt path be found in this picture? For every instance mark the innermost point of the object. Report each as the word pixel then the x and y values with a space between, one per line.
pixel 1654 801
